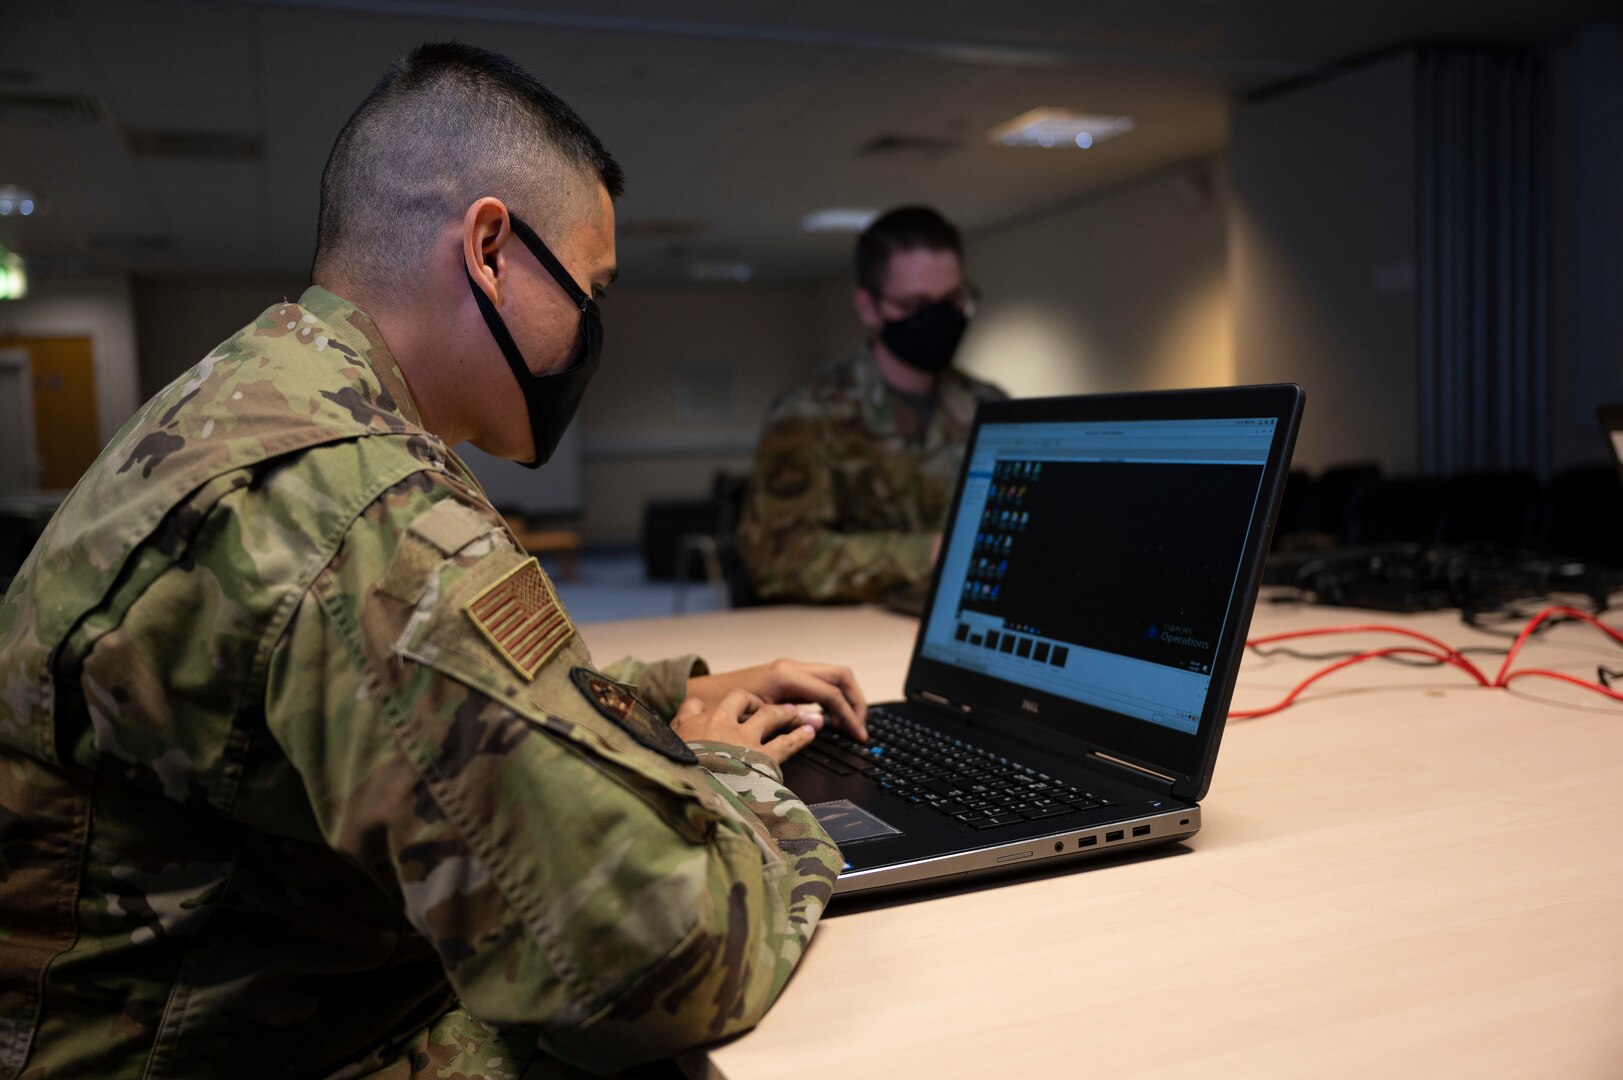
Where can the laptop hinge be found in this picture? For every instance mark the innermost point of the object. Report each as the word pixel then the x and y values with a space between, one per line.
pixel 1141 771
pixel 937 699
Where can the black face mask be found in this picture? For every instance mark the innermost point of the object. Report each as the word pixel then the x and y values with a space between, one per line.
pixel 550 399
pixel 926 339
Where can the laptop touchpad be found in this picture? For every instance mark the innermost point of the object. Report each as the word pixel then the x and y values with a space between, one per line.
pixel 846 821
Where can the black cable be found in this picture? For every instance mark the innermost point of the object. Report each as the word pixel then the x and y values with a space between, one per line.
pixel 1410 661
pixel 1517 618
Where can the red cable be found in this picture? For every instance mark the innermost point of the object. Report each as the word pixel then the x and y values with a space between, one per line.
pixel 1573 679
pixel 1373 628
pixel 1447 654
pixel 1534 623
pixel 1248 714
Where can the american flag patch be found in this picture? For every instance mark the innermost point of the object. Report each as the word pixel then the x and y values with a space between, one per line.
pixel 521 616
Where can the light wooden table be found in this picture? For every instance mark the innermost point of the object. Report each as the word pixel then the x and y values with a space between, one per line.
pixel 1401 875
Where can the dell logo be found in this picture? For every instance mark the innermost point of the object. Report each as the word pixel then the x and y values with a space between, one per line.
pixel 1029 706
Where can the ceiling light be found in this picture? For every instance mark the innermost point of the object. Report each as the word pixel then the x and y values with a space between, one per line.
pixel 1059 127
pixel 838 219
pixel 16 200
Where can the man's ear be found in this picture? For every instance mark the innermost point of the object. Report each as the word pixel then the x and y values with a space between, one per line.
pixel 867 308
pixel 485 233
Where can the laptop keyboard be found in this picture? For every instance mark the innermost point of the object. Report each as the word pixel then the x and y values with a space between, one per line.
pixel 958 779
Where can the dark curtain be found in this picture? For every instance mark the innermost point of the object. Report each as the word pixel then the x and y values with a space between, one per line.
pixel 1484 163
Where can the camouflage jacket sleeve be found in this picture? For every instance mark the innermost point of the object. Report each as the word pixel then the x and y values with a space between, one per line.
pixel 661 685
pixel 800 543
pixel 580 875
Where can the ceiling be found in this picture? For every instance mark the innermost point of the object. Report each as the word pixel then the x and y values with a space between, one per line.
pixel 171 136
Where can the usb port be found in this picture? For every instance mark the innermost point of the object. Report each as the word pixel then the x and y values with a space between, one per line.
pixel 1087 841
pixel 1114 835
pixel 1141 830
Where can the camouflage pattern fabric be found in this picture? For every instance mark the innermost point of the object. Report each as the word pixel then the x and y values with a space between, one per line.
pixel 852 486
pixel 272 803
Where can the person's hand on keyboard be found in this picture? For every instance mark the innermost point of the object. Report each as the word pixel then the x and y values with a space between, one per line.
pixel 742 719
pixel 829 685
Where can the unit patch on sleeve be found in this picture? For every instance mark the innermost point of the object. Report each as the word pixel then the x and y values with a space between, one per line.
pixel 789 474
pixel 616 702
pixel 522 618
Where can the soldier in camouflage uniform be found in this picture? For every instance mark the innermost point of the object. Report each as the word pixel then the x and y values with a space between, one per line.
pixel 304 770
pixel 855 472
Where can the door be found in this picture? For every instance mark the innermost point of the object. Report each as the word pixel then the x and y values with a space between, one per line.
pixel 66 436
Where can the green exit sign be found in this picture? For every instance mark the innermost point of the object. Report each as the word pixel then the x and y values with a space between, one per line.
pixel 13 276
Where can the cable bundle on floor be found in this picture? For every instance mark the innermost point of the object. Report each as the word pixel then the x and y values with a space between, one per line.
pixel 1438 651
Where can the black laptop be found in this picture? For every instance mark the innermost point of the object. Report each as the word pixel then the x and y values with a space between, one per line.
pixel 1079 645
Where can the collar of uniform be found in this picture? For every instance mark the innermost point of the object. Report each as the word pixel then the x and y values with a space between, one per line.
pixel 954 399
pixel 958 398
pixel 361 333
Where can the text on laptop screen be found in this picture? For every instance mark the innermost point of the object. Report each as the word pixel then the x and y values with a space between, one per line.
pixel 1097 561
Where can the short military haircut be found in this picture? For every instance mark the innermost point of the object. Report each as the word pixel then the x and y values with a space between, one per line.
pixel 906 228
pixel 448 124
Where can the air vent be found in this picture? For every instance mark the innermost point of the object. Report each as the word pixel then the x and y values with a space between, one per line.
pixel 720 270
pixel 130 243
pixel 654 229
pixel 924 146
pixel 193 145
pixel 18 105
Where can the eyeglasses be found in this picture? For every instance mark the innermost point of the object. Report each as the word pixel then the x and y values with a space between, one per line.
pixel 966 298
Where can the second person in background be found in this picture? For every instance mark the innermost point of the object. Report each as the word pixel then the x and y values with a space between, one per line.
pixel 855 470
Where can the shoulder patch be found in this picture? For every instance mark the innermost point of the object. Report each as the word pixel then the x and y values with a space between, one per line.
pixel 451 526
pixel 616 702
pixel 413 564
pixel 788 474
pixel 521 616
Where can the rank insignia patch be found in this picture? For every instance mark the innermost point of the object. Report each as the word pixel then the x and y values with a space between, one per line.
pixel 617 702
pixel 521 616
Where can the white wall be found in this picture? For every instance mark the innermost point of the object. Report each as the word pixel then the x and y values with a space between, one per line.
pixel 838 331
pixel 688 374
pixel 1322 259
pixel 1124 291
pixel 100 308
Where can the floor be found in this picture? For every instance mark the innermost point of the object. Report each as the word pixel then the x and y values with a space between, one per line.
pixel 612 585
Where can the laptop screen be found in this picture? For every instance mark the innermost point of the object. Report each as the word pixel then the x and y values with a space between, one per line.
pixel 1611 425
pixel 1097 561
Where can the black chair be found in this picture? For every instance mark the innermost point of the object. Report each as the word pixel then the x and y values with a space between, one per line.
pixel 1336 491
pixel 16 541
pixel 1498 509
pixel 664 523
pixel 1583 515
pixel 1406 510
pixel 714 550
pixel 1295 526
